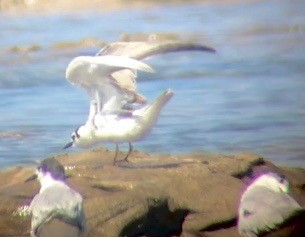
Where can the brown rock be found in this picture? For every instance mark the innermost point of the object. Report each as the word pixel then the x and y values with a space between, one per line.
pixel 162 195
pixel 86 43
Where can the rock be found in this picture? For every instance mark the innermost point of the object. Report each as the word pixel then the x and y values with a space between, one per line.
pixel 163 36
pixel 85 43
pixel 149 37
pixel 16 135
pixel 24 49
pixel 64 6
pixel 161 195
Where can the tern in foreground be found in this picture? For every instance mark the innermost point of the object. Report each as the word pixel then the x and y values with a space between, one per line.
pixel 266 205
pixel 57 210
pixel 109 80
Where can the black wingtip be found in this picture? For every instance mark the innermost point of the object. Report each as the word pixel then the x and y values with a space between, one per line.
pixel 201 47
pixel 210 50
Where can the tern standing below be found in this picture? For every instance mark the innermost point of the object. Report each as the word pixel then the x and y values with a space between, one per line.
pixel 57 210
pixel 109 80
pixel 266 205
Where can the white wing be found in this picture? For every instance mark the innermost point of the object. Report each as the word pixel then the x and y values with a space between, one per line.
pixel 93 74
pixel 142 50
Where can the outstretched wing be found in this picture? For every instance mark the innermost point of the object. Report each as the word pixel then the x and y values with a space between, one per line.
pixel 141 50
pixel 93 74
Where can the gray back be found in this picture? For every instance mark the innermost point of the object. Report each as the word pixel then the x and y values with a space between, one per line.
pixel 58 201
pixel 262 209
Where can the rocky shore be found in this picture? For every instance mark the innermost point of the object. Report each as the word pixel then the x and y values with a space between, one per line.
pixel 153 195
pixel 64 6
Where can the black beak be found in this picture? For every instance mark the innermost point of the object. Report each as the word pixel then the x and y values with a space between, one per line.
pixel 68 145
pixel 34 176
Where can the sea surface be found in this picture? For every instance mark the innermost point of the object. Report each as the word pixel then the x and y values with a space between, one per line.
pixel 248 97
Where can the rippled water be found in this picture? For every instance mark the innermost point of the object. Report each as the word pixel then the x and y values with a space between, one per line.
pixel 250 96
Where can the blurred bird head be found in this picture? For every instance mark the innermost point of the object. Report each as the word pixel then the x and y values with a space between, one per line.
pixel 82 136
pixel 49 167
pixel 271 180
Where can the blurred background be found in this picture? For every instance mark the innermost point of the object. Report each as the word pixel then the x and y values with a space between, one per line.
pixel 248 97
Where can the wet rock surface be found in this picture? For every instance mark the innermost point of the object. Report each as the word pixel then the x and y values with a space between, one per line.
pixel 160 195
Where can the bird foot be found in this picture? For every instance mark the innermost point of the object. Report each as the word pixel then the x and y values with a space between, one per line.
pixel 115 162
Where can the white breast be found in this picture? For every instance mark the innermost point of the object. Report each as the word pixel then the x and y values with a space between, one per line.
pixel 114 129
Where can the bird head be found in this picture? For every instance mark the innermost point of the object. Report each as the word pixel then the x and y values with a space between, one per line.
pixel 48 168
pixel 273 181
pixel 74 137
pixel 52 167
pixel 82 136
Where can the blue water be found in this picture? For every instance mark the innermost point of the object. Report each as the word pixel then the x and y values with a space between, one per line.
pixel 250 96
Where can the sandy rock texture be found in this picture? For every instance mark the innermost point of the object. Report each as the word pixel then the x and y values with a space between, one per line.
pixel 161 195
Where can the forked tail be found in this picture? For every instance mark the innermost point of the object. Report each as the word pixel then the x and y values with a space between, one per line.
pixel 151 112
pixel 158 104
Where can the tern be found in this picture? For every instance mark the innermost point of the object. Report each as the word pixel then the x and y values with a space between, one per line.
pixel 109 79
pixel 57 210
pixel 265 205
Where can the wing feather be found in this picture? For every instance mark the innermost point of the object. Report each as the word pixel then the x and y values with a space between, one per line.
pixel 90 71
pixel 109 77
pixel 93 74
pixel 141 50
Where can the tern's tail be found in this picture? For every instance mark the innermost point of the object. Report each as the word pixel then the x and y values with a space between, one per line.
pixel 158 104
pixel 150 113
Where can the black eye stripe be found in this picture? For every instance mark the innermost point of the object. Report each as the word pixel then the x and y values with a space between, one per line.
pixel 76 133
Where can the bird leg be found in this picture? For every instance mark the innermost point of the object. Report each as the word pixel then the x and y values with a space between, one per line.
pixel 129 151
pixel 116 154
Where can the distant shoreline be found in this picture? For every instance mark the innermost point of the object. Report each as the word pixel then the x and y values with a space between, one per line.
pixel 71 6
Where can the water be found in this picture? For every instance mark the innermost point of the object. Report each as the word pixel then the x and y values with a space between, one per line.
pixel 247 97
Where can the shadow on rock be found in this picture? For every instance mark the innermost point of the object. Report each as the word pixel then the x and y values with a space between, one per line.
pixel 159 221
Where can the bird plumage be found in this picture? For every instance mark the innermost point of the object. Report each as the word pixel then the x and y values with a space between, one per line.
pixel 265 205
pixel 56 201
pixel 140 51
pixel 109 79
pixel 93 74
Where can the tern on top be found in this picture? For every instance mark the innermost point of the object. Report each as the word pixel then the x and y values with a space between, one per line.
pixel 109 80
